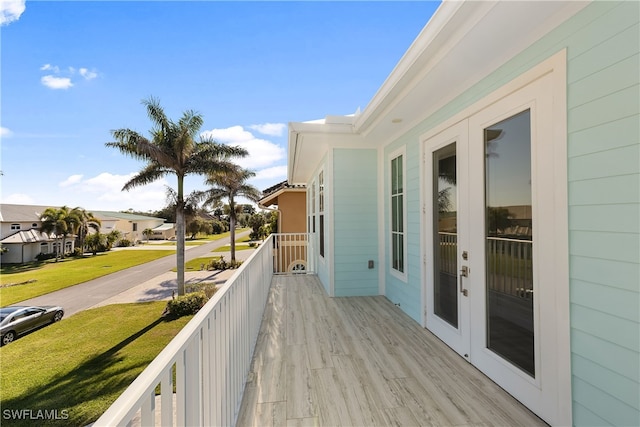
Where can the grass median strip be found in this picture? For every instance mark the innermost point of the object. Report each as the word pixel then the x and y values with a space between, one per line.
pixel 79 366
pixel 31 280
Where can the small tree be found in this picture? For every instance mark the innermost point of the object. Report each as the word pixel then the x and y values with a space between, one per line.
pixel 86 221
pixel 230 185
pixel 257 222
pixel 195 227
pixel 174 149
pixel 62 222
pixel 147 232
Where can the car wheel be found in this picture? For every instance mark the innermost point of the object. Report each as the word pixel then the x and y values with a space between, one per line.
pixel 57 317
pixel 8 337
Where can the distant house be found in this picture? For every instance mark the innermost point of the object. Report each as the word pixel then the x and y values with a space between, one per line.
pixel 20 236
pixel 290 202
pixel 131 226
pixel 490 190
pixel 22 240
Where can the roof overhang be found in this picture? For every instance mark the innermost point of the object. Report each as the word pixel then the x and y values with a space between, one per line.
pixel 310 141
pixel 462 43
pixel 272 198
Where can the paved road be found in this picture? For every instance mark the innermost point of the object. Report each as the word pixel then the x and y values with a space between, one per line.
pixel 88 294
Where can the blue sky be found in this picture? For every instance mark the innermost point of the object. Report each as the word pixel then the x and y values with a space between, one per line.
pixel 73 71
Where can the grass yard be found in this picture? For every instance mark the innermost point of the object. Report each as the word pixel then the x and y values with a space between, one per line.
pixel 35 279
pixel 225 234
pixel 239 247
pixel 186 243
pixel 82 364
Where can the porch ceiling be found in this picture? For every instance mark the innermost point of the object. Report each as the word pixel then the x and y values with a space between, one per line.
pixel 463 43
pixel 361 361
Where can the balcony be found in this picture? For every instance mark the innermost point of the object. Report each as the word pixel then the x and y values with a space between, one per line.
pixel 275 350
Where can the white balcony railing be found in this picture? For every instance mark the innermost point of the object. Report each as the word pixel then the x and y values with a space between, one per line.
pixel 292 253
pixel 210 358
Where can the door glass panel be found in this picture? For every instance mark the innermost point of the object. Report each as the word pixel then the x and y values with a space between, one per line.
pixel 509 241
pixel 446 228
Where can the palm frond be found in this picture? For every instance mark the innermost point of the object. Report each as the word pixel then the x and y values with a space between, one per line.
pixel 129 143
pixel 156 112
pixel 152 172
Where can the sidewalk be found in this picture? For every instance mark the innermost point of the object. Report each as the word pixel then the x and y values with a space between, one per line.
pixel 163 286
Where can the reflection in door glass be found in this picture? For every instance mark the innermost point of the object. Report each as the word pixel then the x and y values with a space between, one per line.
pixel 446 228
pixel 509 241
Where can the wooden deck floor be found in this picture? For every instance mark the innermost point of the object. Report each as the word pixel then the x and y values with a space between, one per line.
pixel 361 361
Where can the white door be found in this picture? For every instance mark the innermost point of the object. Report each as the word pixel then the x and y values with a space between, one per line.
pixel 446 166
pixel 490 285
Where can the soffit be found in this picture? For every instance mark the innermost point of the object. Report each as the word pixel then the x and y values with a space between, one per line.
pixel 463 43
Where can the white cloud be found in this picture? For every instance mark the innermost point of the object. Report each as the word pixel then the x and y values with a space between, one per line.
pixel 54 82
pixel 262 153
pixel 18 199
pixel 5 132
pixel 106 188
pixel 271 129
pixel 88 75
pixel 73 179
pixel 49 67
pixel 273 173
pixel 232 135
pixel 62 79
pixel 10 10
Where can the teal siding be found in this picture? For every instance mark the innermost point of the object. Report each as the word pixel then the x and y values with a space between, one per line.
pixel 355 222
pixel 604 217
pixel 603 96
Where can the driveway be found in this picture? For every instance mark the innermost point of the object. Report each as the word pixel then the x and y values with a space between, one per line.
pixel 152 281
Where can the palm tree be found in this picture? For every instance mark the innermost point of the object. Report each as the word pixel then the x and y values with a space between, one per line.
pixel 229 185
pixel 147 232
pixel 173 149
pixel 62 222
pixel 87 221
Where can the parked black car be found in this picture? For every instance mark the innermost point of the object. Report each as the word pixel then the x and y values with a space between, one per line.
pixel 19 319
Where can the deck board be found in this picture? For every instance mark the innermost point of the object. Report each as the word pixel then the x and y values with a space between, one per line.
pixel 360 361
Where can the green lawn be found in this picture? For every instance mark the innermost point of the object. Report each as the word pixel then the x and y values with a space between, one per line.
pixel 239 247
pixel 186 243
pixel 35 279
pixel 82 364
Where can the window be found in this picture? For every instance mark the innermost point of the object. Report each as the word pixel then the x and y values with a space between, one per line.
pixel 135 226
pixel 15 226
pixel 321 210
pixel 397 214
pixel 313 207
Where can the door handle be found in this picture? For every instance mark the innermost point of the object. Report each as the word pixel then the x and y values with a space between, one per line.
pixel 464 272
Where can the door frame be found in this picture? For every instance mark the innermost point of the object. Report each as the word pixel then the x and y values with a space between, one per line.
pixel 555 404
pixel 457 338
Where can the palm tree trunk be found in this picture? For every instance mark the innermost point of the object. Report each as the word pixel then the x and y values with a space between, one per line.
pixel 180 237
pixel 232 236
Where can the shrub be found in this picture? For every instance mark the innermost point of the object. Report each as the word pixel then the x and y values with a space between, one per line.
pixel 42 257
pixel 186 305
pixel 217 264
pixel 124 243
pixel 209 288
pixel 234 264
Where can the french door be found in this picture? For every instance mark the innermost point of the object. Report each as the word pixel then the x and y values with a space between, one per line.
pixel 489 239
